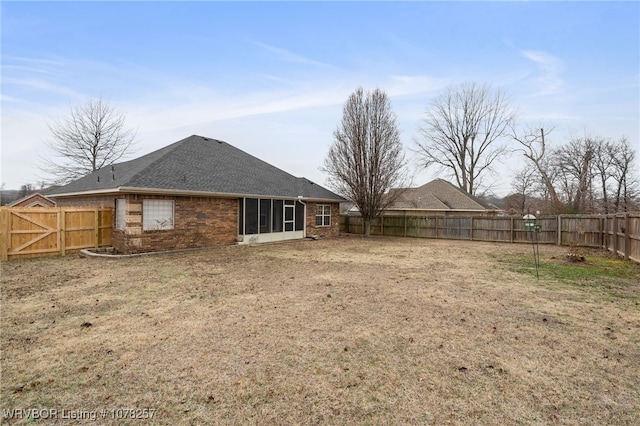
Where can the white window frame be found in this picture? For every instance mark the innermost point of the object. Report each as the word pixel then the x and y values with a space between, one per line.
pixel 323 211
pixel 121 213
pixel 157 215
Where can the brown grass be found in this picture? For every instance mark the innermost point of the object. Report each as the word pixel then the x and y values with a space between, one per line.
pixel 342 331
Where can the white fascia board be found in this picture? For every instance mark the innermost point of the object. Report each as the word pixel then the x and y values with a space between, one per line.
pixel 187 193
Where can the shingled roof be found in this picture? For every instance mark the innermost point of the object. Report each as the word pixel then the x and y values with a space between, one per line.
pixel 439 195
pixel 197 165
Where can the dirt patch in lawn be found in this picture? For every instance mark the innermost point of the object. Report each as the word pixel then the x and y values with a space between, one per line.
pixel 339 331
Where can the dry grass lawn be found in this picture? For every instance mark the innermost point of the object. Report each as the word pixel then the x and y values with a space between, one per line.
pixel 340 331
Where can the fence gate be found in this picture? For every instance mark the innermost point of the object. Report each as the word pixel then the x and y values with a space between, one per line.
pixel 34 232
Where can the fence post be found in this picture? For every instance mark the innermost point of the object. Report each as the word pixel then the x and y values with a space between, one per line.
pixel 96 226
pixel 615 234
pixel 5 229
pixel 62 230
pixel 471 228
pixel 512 230
pixel 559 229
pixel 627 236
pixel 404 234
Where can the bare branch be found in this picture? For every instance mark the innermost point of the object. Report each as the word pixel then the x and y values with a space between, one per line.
pixel 92 136
pixel 366 158
pixel 461 130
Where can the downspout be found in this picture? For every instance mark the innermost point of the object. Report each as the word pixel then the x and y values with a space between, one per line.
pixel 304 224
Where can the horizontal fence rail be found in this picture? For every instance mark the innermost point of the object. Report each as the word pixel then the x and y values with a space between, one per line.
pixel 618 233
pixel 34 232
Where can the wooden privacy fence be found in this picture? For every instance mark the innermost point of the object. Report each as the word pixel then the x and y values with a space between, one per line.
pixel 33 232
pixel 619 233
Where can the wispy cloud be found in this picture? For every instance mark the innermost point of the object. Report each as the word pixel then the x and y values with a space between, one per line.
pixel 288 56
pixel 403 85
pixel 549 72
pixel 218 108
pixel 40 85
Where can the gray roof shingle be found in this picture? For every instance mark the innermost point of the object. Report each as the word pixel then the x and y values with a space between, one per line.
pixel 439 195
pixel 199 164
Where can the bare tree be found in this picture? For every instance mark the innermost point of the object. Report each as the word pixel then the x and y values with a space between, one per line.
pixel 626 192
pixel 366 158
pixel 27 189
pixel 575 160
pixel 604 157
pixel 92 136
pixel 524 184
pixel 461 131
pixel 534 147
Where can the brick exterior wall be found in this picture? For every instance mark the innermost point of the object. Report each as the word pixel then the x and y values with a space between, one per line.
pixel 198 222
pixel 323 231
pixel 83 201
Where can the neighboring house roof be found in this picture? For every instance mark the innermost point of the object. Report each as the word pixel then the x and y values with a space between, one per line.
pixel 197 166
pixel 33 200
pixel 438 195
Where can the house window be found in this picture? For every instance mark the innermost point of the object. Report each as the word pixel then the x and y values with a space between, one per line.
pixel 121 212
pixel 323 215
pixel 157 214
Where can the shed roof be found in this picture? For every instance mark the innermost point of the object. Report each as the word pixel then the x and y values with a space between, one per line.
pixel 33 200
pixel 197 165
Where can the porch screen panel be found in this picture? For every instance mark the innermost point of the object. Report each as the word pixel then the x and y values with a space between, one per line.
pixel 299 216
pixel 265 216
pixel 289 214
pixel 251 216
pixel 277 213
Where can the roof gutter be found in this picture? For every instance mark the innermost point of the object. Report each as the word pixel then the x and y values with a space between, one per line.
pixel 186 193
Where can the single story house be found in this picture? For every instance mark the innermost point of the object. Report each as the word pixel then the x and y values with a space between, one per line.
pixel 33 200
pixel 201 192
pixel 438 198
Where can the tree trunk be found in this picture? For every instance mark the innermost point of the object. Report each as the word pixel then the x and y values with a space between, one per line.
pixel 367 227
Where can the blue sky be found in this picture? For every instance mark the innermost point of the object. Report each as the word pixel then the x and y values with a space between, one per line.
pixel 271 77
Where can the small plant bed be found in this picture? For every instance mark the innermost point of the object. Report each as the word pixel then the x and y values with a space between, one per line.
pixel 103 252
pixel 575 257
